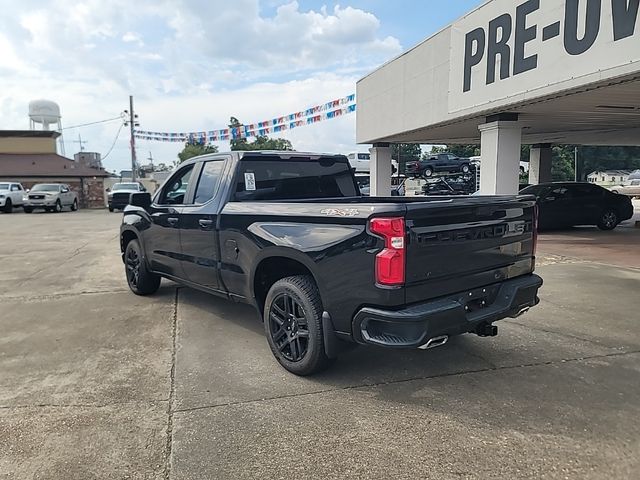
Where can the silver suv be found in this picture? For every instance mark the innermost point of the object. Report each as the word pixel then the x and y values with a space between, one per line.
pixel 53 197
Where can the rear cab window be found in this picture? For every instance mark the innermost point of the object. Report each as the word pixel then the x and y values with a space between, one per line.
pixel 294 178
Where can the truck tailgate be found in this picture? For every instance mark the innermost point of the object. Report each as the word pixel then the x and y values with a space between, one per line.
pixel 460 244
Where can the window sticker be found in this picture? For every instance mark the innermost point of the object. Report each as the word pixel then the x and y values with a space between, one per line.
pixel 249 181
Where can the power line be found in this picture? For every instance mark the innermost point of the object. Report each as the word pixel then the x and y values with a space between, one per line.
pixel 93 123
pixel 114 142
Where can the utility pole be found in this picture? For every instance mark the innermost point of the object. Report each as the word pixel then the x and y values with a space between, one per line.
pixel 150 158
pixel 132 122
pixel 81 142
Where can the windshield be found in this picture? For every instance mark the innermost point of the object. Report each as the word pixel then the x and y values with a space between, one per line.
pixel 45 188
pixel 4 186
pixel 125 186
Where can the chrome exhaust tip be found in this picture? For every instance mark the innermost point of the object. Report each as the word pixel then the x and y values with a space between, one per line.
pixel 435 342
pixel 522 311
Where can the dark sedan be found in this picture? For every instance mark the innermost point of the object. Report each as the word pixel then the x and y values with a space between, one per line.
pixel 570 203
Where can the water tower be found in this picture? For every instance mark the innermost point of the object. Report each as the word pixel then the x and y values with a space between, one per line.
pixel 45 113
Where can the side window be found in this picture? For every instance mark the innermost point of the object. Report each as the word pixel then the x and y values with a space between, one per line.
pixel 173 193
pixel 559 193
pixel 209 180
pixel 15 188
pixel 584 191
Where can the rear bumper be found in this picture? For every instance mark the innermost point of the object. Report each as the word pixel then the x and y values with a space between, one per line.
pixel 455 314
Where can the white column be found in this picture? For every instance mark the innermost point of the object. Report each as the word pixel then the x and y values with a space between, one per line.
pixel 500 157
pixel 380 166
pixel 540 164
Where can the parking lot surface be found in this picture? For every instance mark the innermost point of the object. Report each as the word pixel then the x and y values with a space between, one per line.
pixel 96 383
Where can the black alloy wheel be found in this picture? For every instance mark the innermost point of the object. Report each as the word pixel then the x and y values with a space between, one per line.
pixel 293 325
pixel 133 261
pixel 289 328
pixel 608 220
pixel 140 280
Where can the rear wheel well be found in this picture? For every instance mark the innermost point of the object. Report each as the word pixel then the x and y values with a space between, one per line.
pixel 272 269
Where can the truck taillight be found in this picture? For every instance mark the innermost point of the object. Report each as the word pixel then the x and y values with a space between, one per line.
pixel 390 262
pixel 536 213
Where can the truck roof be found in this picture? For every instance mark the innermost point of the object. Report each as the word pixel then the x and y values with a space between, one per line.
pixel 283 154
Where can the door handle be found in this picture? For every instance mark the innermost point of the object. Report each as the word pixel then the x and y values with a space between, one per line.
pixel 173 221
pixel 204 223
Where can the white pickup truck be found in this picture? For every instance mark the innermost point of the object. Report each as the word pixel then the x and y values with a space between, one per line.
pixel 11 195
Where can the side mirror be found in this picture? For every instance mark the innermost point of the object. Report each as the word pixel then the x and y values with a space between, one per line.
pixel 107 190
pixel 141 199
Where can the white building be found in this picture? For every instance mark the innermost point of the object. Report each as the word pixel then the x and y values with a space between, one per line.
pixel 608 177
pixel 534 72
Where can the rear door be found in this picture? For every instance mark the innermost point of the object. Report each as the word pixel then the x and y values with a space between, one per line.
pixel 463 243
pixel 198 233
pixel 587 203
pixel 162 241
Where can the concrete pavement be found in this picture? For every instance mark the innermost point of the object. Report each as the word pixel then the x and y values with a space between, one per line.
pixel 98 383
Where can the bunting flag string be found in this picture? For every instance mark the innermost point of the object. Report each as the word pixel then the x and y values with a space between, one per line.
pixel 309 116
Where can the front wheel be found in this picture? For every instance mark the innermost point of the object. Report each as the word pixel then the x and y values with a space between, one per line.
pixel 293 325
pixel 58 207
pixel 428 172
pixel 141 281
pixel 110 208
pixel 8 206
pixel 608 220
pixel 465 168
pixel 74 205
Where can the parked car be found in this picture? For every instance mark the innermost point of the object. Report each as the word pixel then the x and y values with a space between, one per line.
pixel 289 233
pixel 52 197
pixel 443 186
pixel 361 163
pixel 118 195
pixel 631 188
pixel 11 195
pixel 566 204
pixel 442 162
pixel 364 185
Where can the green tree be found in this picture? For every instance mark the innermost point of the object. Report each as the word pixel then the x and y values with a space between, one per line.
pixel 260 143
pixel 193 150
pixel 463 151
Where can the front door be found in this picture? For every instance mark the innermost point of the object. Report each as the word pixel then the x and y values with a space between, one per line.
pixel 199 237
pixel 163 240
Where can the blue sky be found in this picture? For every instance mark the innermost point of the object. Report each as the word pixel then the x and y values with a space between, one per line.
pixel 191 64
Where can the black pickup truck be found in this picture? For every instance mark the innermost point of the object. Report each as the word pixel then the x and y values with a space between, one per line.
pixel 289 233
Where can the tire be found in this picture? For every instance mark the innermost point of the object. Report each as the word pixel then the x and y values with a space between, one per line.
pixel 111 209
pixel 140 280
pixel 293 325
pixel 428 172
pixel 27 209
pixel 8 206
pixel 74 205
pixel 608 220
pixel 58 207
pixel 465 168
